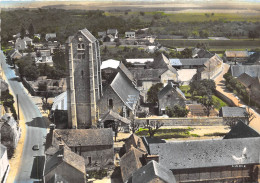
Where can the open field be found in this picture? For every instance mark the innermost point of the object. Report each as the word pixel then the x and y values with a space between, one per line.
pixel 213 44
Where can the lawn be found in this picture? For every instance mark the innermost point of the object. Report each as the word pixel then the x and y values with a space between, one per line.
pixel 168 133
pixel 185 89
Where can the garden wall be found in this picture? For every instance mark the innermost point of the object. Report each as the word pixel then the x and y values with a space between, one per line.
pixel 201 121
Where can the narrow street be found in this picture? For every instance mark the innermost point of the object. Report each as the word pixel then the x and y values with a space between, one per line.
pixel 220 86
pixel 31 164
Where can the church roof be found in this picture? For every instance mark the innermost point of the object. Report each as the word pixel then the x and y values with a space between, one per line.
pixel 88 35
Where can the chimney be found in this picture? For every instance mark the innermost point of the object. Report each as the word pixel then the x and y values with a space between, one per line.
pixel 52 127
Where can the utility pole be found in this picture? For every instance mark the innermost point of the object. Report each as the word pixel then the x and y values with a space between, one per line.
pixel 18 106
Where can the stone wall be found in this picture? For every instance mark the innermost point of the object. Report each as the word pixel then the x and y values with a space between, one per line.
pixel 225 98
pixel 203 121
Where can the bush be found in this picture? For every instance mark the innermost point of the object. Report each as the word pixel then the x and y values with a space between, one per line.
pixel 100 174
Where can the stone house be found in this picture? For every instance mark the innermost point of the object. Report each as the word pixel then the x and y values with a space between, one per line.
pixel 10 132
pixel 50 36
pixel 121 96
pixel 113 32
pixel 65 166
pixel 236 56
pixel 229 160
pixel 4 164
pixel 94 145
pixel 170 96
pixel 131 162
pixel 233 113
pixel 152 172
pixel 129 34
pixel 201 53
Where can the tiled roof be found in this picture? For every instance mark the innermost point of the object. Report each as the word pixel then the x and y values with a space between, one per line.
pixel 147 74
pixel 233 111
pixel 130 162
pixel 236 54
pixel 203 54
pixel 151 172
pixel 168 87
pixel 125 90
pixel 207 153
pixel 136 142
pixel 111 115
pixel 251 70
pixel 86 137
pixel 245 79
pixel 241 130
pixel 67 156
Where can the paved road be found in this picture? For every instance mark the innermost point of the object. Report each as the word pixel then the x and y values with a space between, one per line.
pixel 30 168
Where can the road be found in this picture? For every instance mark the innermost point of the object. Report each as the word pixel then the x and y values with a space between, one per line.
pixel 30 167
pixel 220 86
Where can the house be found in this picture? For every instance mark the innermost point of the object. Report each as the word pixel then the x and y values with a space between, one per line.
pixel 201 53
pixel 111 117
pixel 131 162
pixel 236 56
pixel 43 52
pixel 65 164
pixel 94 145
pixel 113 32
pixel 251 70
pixel 4 164
pixel 129 34
pixel 212 68
pixel 188 63
pixel 245 80
pixel 153 172
pixel 226 160
pixel 15 54
pixel 233 113
pixel 136 142
pixel 50 36
pixel 10 132
pixel 151 49
pixel 44 60
pixel 109 38
pixel 120 96
pixel 199 110
pixel 21 44
pixel 170 96
pixel 241 130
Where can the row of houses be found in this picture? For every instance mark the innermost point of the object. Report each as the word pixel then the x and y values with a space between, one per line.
pixel 235 158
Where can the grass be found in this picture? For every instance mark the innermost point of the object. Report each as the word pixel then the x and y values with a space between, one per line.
pixel 215 134
pixel 218 100
pixel 169 133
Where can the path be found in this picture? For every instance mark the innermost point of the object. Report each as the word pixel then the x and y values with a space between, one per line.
pixel 220 86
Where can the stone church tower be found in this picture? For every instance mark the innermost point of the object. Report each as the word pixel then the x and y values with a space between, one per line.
pixel 84 85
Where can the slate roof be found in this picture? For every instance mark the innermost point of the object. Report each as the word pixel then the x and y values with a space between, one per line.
pixel 125 70
pixel 65 155
pixel 201 53
pixel 162 62
pixel 151 140
pixel 168 87
pixel 147 74
pixel 236 54
pixel 136 142
pixel 130 162
pixel 245 79
pixel 152 171
pixel 86 137
pixel 188 61
pixel 111 115
pixel 233 111
pixel 251 70
pixel 241 130
pixel 3 149
pixel 88 35
pixel 125 90
pixel 207 153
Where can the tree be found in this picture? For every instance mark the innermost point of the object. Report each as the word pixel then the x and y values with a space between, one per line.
pixel 153 92
pixel 152 126
pixel 208 103
pixel 44 92
pixel 142 13
pixel 27 68
pixel 253 34
pixel 59 60
pixel 202 87
pixel 31 31
pixel 177 111
pixel 22 32
pixel 134 126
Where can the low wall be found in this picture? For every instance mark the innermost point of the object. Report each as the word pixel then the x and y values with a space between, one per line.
pixel 202 121
pixel 225 98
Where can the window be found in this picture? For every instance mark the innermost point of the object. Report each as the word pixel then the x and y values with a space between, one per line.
pixel 82 74
pixel 110 103
pixel 79 46
pixel 89 160
pixel 82 46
